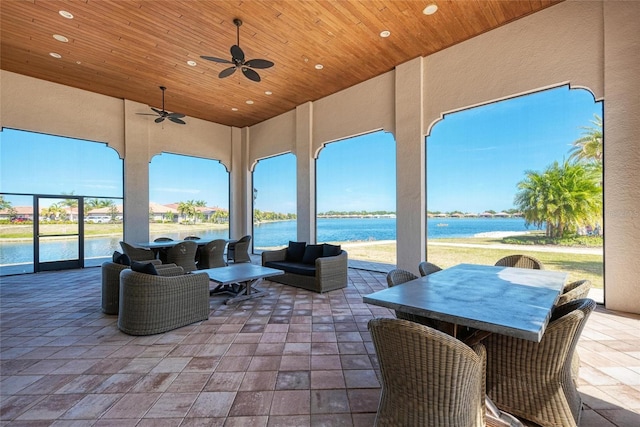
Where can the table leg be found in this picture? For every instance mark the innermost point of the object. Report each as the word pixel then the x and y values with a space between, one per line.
pixel 247 291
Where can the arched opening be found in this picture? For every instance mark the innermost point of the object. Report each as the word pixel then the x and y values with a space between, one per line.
pixel 519 176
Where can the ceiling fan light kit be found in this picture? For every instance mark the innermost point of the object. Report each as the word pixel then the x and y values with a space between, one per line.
pixel 237 60
pixel 164 114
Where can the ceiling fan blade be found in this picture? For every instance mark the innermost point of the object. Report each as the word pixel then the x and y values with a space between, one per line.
pixel 250 74
pixel 177 120
pixel 214 59
pixel 146 114
pixel 159 119
pixel 175 115
pixel 226 72
pixel 258 63
pixel 158 111
pixel 237 54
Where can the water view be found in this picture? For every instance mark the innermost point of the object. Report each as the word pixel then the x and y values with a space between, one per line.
pixel 272 234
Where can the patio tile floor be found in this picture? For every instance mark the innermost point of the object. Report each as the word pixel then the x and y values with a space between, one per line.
pixel 291 358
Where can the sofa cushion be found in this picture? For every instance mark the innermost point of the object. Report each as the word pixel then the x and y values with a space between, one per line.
pixel 293 267
pixel 331 250
pixel 311 253
pixel 144 267
pixel 122 259
pixel 295 251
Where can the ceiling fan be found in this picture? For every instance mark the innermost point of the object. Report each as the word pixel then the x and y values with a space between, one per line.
pixel 237 60
pixel 163 114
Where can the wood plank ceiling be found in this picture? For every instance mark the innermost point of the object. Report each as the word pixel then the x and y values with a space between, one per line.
pixel 127 48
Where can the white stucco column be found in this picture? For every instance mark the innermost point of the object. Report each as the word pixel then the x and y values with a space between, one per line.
pixel 136 176
pixel 305 174
pixel 410 166
pixel 239 211
pixel 622 155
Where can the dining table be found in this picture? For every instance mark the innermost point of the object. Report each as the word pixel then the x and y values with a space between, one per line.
pixel 487 299
pixel 471 301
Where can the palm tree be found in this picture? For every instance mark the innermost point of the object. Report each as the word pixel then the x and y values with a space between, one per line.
pixel 562 197
pixel 588 148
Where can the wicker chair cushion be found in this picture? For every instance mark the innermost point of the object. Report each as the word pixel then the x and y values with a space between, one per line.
pixel 295 251
pixel 122 259
pixel 330 250
pixel 144 267
pixel 293 267
pixel 311 254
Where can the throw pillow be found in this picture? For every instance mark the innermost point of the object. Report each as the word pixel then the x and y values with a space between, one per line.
pixel 144 267
pixel 122 259
pixel 295 251
pixel 331 250
pixel 311 253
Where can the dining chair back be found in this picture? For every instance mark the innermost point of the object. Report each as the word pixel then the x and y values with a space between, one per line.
pixel 398 277
pixel 239 251
pixel 428 377
pixel 574 290
pixel 162 252
pixel 137 254
pixel 212 255
pixel 184 255
pixel 163 239
pixel 427 268
pixel 520 261
pixel 533 380
pixel 191 238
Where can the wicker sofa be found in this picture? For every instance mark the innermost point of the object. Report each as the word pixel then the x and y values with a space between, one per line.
pixel 325 273
pixel 151 304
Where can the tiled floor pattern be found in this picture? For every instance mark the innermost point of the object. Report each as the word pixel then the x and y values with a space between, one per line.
pixel 292 358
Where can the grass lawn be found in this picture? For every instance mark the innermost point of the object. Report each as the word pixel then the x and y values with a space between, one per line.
pixel 579 266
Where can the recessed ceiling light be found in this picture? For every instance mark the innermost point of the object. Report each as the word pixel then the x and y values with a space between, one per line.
pixel 55 55
pixel 234 109
pixel 60 38
pixel 78 62
pixel 319 66
pixel 268 92
pixel 249 101
pixel 385 34
pixel 430 10
pixel 66 14
pixel 192 63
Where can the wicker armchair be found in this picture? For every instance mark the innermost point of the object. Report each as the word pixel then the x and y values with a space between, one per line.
pixel 239 251
pixel 428 377
pixel 137 254
pixel 534 380
pixel 152 304
pixel 520 261
pixel 574 290
pixel 111 284
pixel 184 255
pixel 397 277
pixel 427 268
pixel 212 255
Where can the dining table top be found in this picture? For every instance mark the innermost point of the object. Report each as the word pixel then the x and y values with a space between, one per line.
pixel 511 301
pixel 171 243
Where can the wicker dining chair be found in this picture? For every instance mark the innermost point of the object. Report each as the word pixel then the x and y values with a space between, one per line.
pixel 239 251
pixel 191 238
pixel 137 254
pixel 428 377
pixel 212 255
pixel 162 252
pixel 520 261
pixel 574 290
pixel 397 277
pixel 184 255
pixel 534 380
pixel 427 268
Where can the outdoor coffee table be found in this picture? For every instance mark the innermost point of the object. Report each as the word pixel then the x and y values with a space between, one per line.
pixel 239 280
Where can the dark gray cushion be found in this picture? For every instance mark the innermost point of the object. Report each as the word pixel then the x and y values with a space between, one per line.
pixel 331 250
pixel 311 253
pixel 295 251
pixel 144 267
pixel 122 259
pixel 293 267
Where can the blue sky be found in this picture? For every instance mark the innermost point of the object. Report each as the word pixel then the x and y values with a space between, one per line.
pixel 475 158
